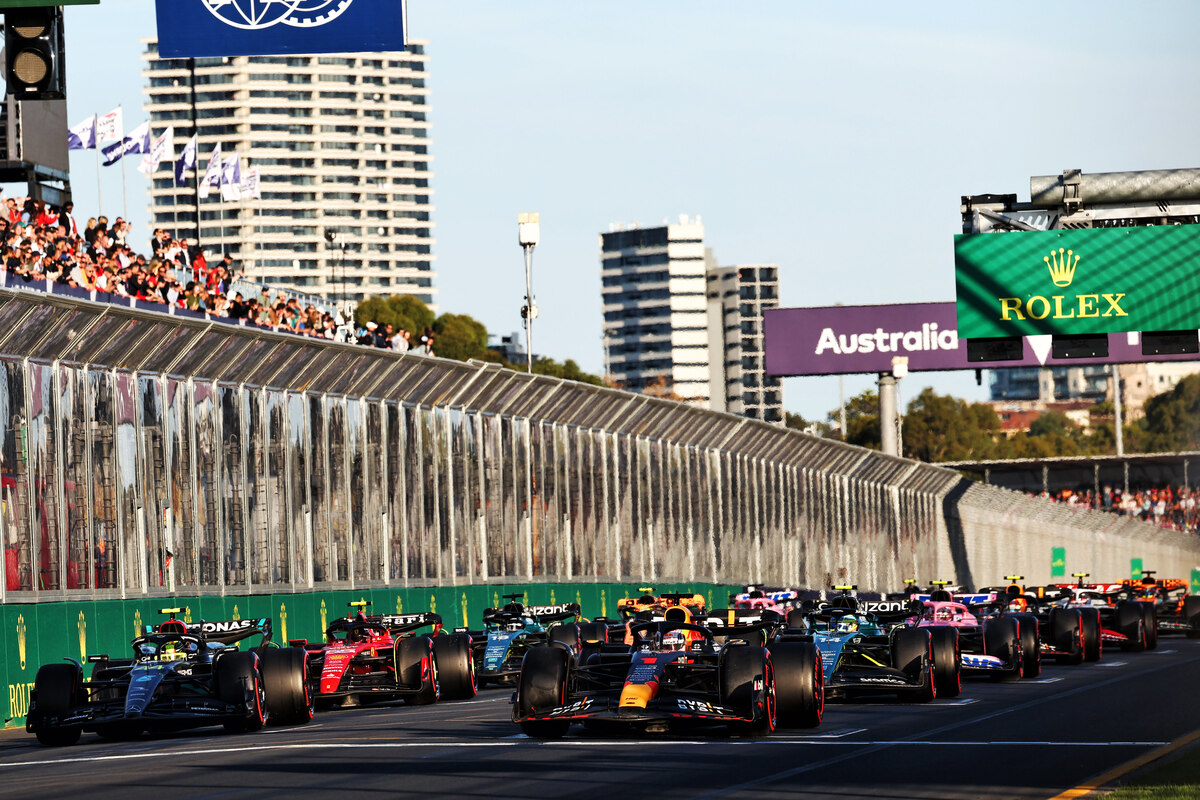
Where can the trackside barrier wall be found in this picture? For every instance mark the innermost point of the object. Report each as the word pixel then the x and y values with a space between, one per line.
pixel 146 456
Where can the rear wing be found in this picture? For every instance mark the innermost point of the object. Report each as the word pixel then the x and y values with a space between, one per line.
pixel 774 595
pixel 232 631
pixel 554 613
pixel 406 623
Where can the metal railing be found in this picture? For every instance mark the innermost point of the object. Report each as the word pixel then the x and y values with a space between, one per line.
pixel 143 453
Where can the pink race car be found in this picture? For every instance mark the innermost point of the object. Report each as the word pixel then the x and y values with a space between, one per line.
pixel 993 646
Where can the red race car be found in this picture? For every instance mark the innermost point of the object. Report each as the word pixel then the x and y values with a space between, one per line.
pixel 377 658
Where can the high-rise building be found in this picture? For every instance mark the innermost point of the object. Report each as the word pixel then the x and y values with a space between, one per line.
pixel 655 312
pixel 736 299
pixel 676 324
pixel 341 142
pixel 1048 384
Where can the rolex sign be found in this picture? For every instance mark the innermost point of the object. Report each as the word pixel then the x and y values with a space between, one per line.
pixel 211 28
pixel 1091 281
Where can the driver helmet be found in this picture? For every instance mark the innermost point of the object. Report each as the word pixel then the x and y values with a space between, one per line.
pixel 848 624
pixel 171 651
pixel 943 614
pixel 674 641
pixel 1018 604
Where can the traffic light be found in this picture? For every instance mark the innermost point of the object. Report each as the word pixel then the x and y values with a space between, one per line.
pixel 33 53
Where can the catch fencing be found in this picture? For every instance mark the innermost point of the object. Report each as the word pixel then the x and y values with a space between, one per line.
pixel 144 454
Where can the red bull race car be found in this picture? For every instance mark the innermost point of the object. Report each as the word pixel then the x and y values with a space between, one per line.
pixel 379 658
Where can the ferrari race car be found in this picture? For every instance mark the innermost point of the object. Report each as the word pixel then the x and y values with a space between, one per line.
pixel 674 675
pixel 180 676
pixel 509 631
pixel 377 658
pixel 1175 610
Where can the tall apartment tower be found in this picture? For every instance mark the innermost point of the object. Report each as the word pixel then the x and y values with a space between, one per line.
pixel 342 145
pixel 655 316
pixel 736 299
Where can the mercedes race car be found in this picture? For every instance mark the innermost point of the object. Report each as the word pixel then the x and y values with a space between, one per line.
pixel 509 631
pixel 378 658
pixel 180 676
pixel 674 675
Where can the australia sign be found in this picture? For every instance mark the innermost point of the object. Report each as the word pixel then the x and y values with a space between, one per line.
pixel 210 28
pixel 1070 282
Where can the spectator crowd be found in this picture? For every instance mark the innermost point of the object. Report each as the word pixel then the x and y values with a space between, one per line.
pixel 44 244
pixel 1175 508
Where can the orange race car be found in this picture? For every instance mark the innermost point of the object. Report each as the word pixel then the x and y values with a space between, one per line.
pixel 1178 611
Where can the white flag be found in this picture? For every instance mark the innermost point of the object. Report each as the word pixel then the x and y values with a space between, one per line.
pixel 161 149
pixel 111 126
pixel 187 160
pixel 212 176
pixel 250 188
pixel 231 179
pixel 83 135
pixel 138 141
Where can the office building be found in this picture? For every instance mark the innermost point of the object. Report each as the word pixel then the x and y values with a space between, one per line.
pixel 736 299
pixel 342 145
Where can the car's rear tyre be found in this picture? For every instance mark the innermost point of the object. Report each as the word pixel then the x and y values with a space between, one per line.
pixel 1150 616
pixel 1002 638
pixel 912 654
pixel 541 686
pixel 417 669
pixel 741 671
pixel 1131 623
pixel 947 660
pixel 1093 642
pixel 285 681
pixel 799 684
pixel 234 672
pixel 58 688
pixel 1066 633
pixel 456 668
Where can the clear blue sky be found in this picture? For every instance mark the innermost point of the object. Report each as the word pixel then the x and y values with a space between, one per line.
pixel 834 139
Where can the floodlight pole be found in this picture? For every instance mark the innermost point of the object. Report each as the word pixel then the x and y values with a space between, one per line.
pixel 528 234
pixel 1117 424
pixel 887 414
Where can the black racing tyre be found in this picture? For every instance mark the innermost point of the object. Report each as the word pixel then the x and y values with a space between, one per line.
pixel 796 619
pixel 58 688
pixel 1031 645
pixel 417 669
pixel 1132 624
pixel 542 685
pixel 1066 633
pixel 233 673
pixel 1191 614
pixel 947 660
pixel 1150 615
pixel 456 668
pixel 912 654
pixel 1002 638
pixel 1093 642
pixel 593 633
pixel 285 681
pixel 799 684
pixel 741 670
pixel 568 634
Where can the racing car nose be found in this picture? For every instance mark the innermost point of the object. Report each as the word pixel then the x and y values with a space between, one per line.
pixel 635 695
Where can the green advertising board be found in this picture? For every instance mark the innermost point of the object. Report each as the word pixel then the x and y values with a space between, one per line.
pixel 1195 588
pixel 1135 568
pixel 1091 281
pixel 1058 562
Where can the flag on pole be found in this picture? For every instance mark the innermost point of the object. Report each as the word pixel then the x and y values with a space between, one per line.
pixel 186 161
pixel 251 189
pixel 111 126
pixel 83 135
pixel 161 149
pixel 212 175
pixel 231 179
pixel 138 141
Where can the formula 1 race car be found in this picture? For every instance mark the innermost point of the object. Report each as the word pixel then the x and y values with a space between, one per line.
pixel 781 601
pixel 1122 620
pixel 673 676
pixel 1005 646
pixel 180 676
pixel 647 601
pixel 378 658
pixel 509 631
pixel 1175 610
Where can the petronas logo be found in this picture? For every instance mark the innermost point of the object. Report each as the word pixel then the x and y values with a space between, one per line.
pixel 21 638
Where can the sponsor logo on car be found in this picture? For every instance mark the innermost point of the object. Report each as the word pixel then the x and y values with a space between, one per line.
pixel 572 708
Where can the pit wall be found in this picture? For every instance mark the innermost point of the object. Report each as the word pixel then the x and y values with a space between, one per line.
pixel 45 633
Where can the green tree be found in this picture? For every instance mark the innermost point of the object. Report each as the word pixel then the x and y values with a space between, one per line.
pixel 1172 420
pixel 862 419
pixel 943 428
pixel 402 311
pixel 567 370
pixel 460 337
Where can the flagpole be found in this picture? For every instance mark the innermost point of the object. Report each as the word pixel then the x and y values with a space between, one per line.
pixel 99 191
pixel 196 133
pixel 124 196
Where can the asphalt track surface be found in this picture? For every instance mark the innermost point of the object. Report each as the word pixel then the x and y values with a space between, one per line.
pixel 1032 739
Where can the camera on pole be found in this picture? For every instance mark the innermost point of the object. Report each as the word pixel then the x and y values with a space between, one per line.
pixel 33 53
